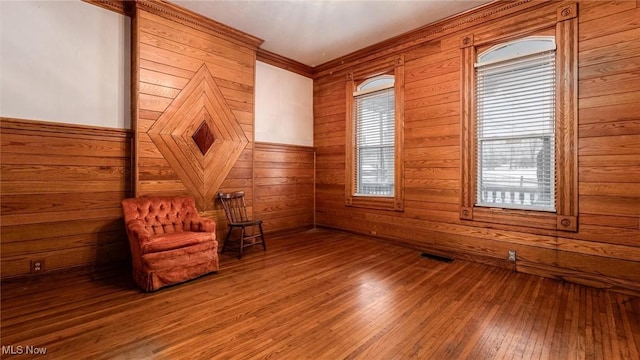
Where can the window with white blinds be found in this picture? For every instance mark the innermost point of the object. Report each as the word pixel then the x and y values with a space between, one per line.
pixel 515 129
pixel 375 137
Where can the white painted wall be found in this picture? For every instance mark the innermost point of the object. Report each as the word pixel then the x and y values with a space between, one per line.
pixel 69 62
pixel 64 61
pixel 284 106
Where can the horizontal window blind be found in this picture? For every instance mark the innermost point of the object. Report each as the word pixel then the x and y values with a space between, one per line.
pixel 375 143
pixel 515 160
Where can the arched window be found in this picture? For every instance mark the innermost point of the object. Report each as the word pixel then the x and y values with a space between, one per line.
pixel 374 154
pixel 375 137
pixel 519 163
pixel 515 124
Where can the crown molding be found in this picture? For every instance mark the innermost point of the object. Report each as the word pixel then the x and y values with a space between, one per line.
pixel 285 63
pixel 122 7
pixel 189 18
pixel 426 34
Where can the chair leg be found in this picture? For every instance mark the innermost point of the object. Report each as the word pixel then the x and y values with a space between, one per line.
pixel 264 243
pixel 226 240
pixel 241 243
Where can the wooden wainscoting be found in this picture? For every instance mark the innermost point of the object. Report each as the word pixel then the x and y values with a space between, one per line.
pixel 325 295
pixel 61 189
pixel 284 186
pixel 605 251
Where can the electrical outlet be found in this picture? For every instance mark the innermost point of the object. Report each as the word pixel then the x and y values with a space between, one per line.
pixel 512 255
pixel 37 266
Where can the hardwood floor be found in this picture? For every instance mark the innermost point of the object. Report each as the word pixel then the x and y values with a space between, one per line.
pixel 323 295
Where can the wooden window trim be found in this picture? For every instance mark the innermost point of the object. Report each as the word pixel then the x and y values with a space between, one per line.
pixel 395 203
pixel 566 216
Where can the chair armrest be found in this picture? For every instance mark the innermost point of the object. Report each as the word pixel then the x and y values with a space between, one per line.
pixel 200 224
pixel 137 229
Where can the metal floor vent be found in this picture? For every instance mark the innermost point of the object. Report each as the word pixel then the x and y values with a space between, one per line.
pixel 436 257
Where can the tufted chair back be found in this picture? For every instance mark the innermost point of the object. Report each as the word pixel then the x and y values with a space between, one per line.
pixel 162 214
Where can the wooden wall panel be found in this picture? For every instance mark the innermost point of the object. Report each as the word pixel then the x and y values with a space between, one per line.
pixel 171 56
pixel 191 71
pixel 284 186
pixel 61 187
pixel 604 252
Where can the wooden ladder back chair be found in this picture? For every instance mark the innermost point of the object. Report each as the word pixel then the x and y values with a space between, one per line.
pixel 236 211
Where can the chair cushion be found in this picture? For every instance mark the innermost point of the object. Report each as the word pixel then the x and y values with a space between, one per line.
pixel 175 241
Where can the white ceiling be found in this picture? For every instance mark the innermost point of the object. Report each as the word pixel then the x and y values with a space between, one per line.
pixel 316 31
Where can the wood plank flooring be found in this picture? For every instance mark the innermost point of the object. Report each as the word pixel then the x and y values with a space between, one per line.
pixel 323 295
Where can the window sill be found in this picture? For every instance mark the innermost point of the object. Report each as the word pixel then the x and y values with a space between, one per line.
pixel 375 202
pixel 523 218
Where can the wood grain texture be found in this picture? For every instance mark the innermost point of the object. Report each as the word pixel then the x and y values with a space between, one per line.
pixel 61 188
pixel 423 36
pixel 396 67
pixel 566 118
pixel 284 63
pixel 189 75
pixel 468 130
pixel 605 152
pixel 284 186
pixel 188 19
pixel 325 295
pixel 122 7
pixel 566 195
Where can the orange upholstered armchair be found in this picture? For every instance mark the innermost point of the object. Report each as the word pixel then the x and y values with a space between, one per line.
pixel 169 242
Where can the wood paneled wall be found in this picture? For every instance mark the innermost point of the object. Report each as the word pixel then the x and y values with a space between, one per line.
pixel 190 70
pixel 284 186
pixel 62 184
pixel 61 189
pixel 605 251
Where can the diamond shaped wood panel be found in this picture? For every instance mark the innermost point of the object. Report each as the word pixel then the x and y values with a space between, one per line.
pixel 199 103
pixel 203 137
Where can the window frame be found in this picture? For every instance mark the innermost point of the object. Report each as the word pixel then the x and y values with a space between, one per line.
pixel 395 202
pixel 565 218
